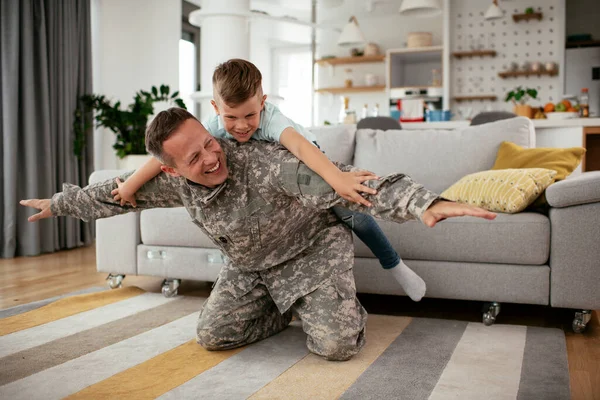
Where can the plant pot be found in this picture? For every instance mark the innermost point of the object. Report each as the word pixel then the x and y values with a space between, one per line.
pixel 133 161
pixel 523 110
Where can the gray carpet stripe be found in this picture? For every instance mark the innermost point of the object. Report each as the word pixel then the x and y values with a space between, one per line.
pixel 9 312
pixel 74 375
pixel 36 359
pixel 545 370
pixel 412 364
pixel 243 374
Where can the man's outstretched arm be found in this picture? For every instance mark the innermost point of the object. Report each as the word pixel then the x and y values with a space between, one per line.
pixel 96 201
pixel 398 198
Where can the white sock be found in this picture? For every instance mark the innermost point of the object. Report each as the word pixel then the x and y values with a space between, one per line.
pixel 412 283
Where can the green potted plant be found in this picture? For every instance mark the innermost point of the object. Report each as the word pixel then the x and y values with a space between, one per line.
pixel 519 97
pixel 129 125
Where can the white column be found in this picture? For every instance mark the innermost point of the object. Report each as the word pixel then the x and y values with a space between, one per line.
pixel 135 45
pixel 224 35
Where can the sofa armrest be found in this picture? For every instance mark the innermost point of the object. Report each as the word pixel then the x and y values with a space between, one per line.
pixel 117 237
pixel 575 256
pixel 582 189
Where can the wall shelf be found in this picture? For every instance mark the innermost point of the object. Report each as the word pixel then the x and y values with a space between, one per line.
pixel 583 43
pixel 351 60
pixel 527 17
pixel 352 89
pixel 416 54
pixel 514 74
pixel 474 53
pixel 475 98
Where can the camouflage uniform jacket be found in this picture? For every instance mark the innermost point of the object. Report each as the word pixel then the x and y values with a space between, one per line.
pixel 271 217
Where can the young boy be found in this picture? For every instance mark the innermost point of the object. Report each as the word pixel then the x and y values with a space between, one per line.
pixel 242 114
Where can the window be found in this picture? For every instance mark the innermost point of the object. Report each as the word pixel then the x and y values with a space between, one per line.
pixel 292 73
pixel 189 59
pixel 187 69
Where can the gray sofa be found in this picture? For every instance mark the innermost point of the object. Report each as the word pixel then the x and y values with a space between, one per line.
pixel 526 258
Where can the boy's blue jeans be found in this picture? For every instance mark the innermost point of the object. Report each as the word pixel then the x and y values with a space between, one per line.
pixel 367 230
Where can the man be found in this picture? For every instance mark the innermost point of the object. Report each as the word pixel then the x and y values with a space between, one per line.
pixel 270 216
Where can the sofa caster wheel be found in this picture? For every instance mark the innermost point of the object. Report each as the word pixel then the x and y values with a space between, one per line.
pixel 169 287
pixel 114 281
pixel 581 320
pixel 489 316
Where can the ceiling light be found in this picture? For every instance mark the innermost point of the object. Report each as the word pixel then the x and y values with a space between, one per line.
pixel 494 12
pixel 420 8
pixel 351 35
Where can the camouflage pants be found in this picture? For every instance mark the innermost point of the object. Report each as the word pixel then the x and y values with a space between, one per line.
pixel 332 317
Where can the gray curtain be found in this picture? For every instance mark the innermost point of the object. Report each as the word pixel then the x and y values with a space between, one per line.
pixel 45 65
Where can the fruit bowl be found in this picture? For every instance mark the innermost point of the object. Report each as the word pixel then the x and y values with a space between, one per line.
pixel 561 115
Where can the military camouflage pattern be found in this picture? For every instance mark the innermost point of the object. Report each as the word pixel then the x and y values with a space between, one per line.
pixel 331 315
pixel 270 218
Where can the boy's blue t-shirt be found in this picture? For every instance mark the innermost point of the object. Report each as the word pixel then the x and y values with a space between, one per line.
pixel 272 124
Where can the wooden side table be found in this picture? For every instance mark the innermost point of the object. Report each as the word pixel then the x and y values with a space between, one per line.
pixel 591 142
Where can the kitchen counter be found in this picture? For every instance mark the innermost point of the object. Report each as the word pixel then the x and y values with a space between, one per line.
pixel 538 123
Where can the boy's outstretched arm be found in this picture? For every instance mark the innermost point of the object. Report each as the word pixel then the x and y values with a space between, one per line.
pixel 347 184
pixel 126 191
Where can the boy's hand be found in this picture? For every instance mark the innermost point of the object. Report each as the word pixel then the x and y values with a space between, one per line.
pixel 40 204
pixel 123 193
pixel 447 209
pixel 349 185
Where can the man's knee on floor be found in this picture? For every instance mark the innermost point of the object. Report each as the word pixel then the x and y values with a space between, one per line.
pixel 334 350
pixel 213 339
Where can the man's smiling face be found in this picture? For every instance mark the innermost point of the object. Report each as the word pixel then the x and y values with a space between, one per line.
pixel 196 155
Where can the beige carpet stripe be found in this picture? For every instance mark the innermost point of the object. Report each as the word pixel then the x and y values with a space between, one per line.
pixel 36 359
pixel 65 308
pixel 315 378
pixel 157 375
pixel 41 334
pixel 486 364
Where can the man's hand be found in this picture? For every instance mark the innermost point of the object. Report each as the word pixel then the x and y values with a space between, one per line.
pixel 40 204
pixel 123 193
pixel 447 209
pixel 349 185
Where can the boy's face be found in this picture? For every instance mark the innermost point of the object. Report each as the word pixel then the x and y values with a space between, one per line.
pixel 242 120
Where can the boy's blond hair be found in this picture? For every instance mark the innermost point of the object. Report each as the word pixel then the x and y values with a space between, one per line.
pixel 235 81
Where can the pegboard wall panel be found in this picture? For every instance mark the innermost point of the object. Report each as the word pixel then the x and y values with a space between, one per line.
pixel 515 42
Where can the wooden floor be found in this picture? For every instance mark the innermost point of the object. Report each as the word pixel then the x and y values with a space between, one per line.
pixel 28 279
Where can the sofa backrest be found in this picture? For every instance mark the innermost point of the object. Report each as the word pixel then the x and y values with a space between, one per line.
pixel 337 141
pixel 439 158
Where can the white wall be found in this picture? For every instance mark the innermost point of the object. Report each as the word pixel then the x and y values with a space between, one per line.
pixel 525 41
pixel 135 45
pixel 383 26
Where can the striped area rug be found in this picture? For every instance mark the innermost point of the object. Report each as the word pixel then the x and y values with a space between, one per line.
pixel 129 344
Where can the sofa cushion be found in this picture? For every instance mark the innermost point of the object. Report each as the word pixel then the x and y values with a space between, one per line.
pixel 171 227
pixel 563 161
pixel 438 158
pixel 522 238
pixel 336 141
pixel 504 190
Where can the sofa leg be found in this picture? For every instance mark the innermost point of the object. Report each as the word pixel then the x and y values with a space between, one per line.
pixel 490 312
pixel 581 320
pixel 170 286
pixel 114 281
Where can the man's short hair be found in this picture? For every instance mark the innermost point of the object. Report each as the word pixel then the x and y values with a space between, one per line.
pixel 236 81
pixel 161 128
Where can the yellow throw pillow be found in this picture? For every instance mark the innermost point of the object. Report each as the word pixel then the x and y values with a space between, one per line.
pixel 507 191
pixel 563 161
